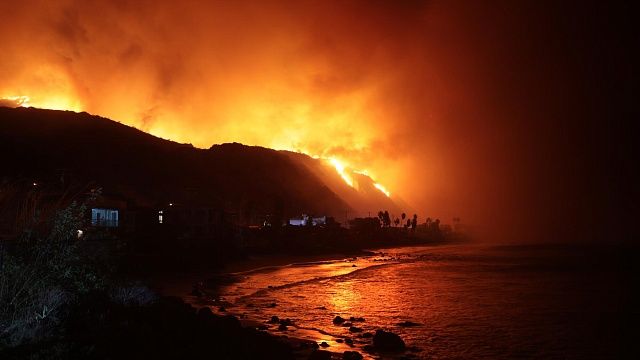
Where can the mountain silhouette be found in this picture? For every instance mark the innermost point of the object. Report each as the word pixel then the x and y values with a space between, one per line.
pixel 50 146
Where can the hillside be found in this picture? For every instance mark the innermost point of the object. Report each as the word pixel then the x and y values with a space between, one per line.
pixel 364 198
pixel 52 146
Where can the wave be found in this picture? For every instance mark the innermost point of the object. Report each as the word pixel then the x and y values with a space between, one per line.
pixel 339 277
pixel 389 257
pixel 268 268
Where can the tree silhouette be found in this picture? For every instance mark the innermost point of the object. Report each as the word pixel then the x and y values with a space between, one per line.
pixel 436 225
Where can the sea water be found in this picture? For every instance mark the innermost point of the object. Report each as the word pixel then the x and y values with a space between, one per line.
pixel 464 301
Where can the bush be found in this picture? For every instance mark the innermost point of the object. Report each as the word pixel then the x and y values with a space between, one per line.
pixel 43 271
pixel 135 295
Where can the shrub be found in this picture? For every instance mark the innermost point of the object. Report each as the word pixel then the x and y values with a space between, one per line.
pixel 42 271
pixel 132 295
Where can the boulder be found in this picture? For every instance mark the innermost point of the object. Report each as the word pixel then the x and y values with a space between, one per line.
pixel 355 329
pixel 386 341
pixel 320 355
pixel 408 324
pixel 205 313
pixel 324 344
pixel 282 327
pixel 338 320
pixel 230 323
pixel 274 320
pixel 195 291
pixel 351 355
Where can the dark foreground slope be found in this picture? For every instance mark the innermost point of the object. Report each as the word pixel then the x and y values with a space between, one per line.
pixel 47 145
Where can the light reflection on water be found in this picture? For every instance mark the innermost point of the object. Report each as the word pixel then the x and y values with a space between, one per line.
pixel 469 301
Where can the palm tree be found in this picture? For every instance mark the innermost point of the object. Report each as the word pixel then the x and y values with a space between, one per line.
pixel 387 219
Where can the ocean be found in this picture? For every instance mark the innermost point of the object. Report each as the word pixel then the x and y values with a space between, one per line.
pixel 463 301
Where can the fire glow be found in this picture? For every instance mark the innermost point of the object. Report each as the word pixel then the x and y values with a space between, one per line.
pixel 278 87
pixel 383 189
pixel 50 102
pixel 344 172
pixel 19 101
pixel 340 166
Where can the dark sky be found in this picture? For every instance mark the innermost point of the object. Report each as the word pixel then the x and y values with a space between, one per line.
pixel 512 115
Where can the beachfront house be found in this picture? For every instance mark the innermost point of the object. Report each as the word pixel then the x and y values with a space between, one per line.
pixel 307 220
pixel 108 212
pixel 101 217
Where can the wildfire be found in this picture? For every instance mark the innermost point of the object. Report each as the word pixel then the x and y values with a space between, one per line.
pixel 345 171
pixel 18 101
pixel 51 102
pixel 383 189
pixel 64 103
pixel 341 169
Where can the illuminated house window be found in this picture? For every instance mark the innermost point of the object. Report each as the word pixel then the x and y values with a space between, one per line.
pixel 160 215
pixel 105 217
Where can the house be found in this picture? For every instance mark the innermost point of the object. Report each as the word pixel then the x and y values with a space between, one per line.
pixel 194 219
pixel 107 212
pixel 307 220
pixel 101 217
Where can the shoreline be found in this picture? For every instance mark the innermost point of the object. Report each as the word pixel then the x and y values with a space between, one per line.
pixel 302 346
pixel 181 283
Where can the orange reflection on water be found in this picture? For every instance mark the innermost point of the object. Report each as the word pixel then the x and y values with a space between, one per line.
pixel 344 297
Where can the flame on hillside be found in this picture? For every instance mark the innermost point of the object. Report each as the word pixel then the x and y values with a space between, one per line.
pixel 56 102
pixel 15 101
pixel 62 103
pixel 382 189
pixel 345 173
pixel 340 168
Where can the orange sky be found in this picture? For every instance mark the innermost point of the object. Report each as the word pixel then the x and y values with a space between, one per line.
pixel 431 98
